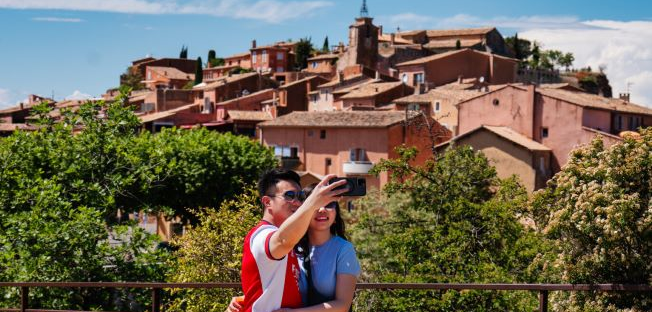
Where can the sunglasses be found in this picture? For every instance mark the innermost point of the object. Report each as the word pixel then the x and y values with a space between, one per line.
pixel 331 205
pixel 292 196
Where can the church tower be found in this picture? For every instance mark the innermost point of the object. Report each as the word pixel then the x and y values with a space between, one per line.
pixel 363 40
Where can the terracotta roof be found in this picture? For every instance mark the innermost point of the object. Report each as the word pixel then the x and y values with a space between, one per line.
pixel 257 93
pixel 459 32
pixel 439 94
pixel 296 82
pixel 239 55
pixel 348 119
pixel 336 82
pixel 172 73
pixel 329 56
pixel 595 101
pixel 249 115
pixel 220 67
pixel 14 109
pixel 431 58
pixel 452 43
pixel 505 133
pixel 163 114
pixel 371 89
pixel 352 87
pixel 11 127
pixel 397 39
pixel 411 32
pixel 224 80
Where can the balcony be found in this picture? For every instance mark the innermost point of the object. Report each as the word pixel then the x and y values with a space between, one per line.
pixel 357 167
pixel 290 163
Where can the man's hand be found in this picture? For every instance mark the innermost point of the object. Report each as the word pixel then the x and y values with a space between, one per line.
pixel 236 304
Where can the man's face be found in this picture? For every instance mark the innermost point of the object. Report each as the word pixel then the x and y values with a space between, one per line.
pixel 277 205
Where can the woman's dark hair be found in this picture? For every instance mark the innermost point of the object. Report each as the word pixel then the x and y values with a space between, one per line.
pixel 337 228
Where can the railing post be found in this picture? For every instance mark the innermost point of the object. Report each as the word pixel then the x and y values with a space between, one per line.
pixel 156 300
pixel 543 301
pixel 24 294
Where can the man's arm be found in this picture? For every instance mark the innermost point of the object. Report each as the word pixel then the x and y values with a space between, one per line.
pixel 343 297
pixel 291 231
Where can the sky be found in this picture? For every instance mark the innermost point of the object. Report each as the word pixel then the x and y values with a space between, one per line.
pixel 78 48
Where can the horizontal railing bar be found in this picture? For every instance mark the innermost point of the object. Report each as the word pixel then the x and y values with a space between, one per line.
pixel 418 286
pixel 45 310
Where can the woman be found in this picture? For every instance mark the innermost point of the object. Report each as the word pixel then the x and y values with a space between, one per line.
pixel 329 266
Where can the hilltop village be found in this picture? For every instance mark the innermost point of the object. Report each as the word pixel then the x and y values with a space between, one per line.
pixel 352 104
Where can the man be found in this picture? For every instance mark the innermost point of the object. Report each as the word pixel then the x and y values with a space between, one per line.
pixel 270 271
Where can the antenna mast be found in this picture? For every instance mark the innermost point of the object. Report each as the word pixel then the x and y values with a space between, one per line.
pixel 364 12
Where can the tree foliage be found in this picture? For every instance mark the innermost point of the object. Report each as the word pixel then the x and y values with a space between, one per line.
pixel 326 47
pixel 212 252
pixel 303 50
pixel 183 54
pixel 199 72
pixel 61 188
pixel 132 79
pixel 597 210
pixel 450 220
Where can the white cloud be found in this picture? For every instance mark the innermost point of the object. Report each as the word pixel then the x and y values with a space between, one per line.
pixel 622 47
pixel 272 11
pixel 57 20
pixel 77 95
pixel 5 98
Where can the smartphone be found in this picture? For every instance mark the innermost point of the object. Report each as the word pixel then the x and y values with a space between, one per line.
pixel 356 186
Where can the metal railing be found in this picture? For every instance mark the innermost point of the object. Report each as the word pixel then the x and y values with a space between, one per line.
pixel 542 289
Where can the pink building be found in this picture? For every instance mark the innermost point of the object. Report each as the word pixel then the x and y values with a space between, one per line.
pixel 556 118
pixel 157 77
pixel 276 58
pixel 342 143
pixel 444 68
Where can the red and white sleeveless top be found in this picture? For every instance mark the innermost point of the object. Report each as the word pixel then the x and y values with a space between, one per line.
pixel 268 284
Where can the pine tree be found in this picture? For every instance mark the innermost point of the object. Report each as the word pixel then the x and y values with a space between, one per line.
pixel 199 73
pixel 326 47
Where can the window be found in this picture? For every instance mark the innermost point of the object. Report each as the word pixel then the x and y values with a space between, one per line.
pixel 322 134
pixel 264 56
pixel 313 97
pixel 418 78
pixel 314 64
pixel 149 75
pixel 437 107
pixel 311 133
pixel 286 151
pixel 328 162
pixel 405 78
pixel 253 57
pixel 496 102
pixel 279 56
pixel 618 122
pixel 544 132
pixel 280 69
pixel 357 154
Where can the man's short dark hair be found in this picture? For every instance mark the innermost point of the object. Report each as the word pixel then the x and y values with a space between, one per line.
pixel 268 180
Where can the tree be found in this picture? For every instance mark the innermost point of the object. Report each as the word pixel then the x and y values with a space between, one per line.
pixel 458 45
pixel 450 220
pixel 211 252
pixel 566 60
pixel 132 79
pixel 597 211
pixel 536 56
pixel 303 50
pixel 522 48
pixel 184 52
pixel 199 73
pixel 326 47
pixel 214 61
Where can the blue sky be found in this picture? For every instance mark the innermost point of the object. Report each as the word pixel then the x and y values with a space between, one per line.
pixel 78 48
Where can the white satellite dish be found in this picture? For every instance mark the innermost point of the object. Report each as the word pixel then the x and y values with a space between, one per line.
pixel 481 79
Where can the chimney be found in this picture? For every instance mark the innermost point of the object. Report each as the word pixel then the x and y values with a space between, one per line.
pixel 380 30
pixel 340 47
pixel 459 79
pixel 392 38
pixel 377 75
pixel 624 97
pixel 253 44
pixel 21 105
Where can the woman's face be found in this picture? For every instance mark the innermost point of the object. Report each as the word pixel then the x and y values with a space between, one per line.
pixel 323 218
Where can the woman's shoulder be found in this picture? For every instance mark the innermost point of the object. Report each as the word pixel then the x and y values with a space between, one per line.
pixel 342 243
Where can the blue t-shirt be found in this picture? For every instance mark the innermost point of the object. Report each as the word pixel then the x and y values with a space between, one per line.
pixel 336 256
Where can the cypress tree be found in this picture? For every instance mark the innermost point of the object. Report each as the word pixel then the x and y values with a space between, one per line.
pixel 326 47
pixel 517 48
pixel 199 73
pixel 458 44
pixel 184 52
